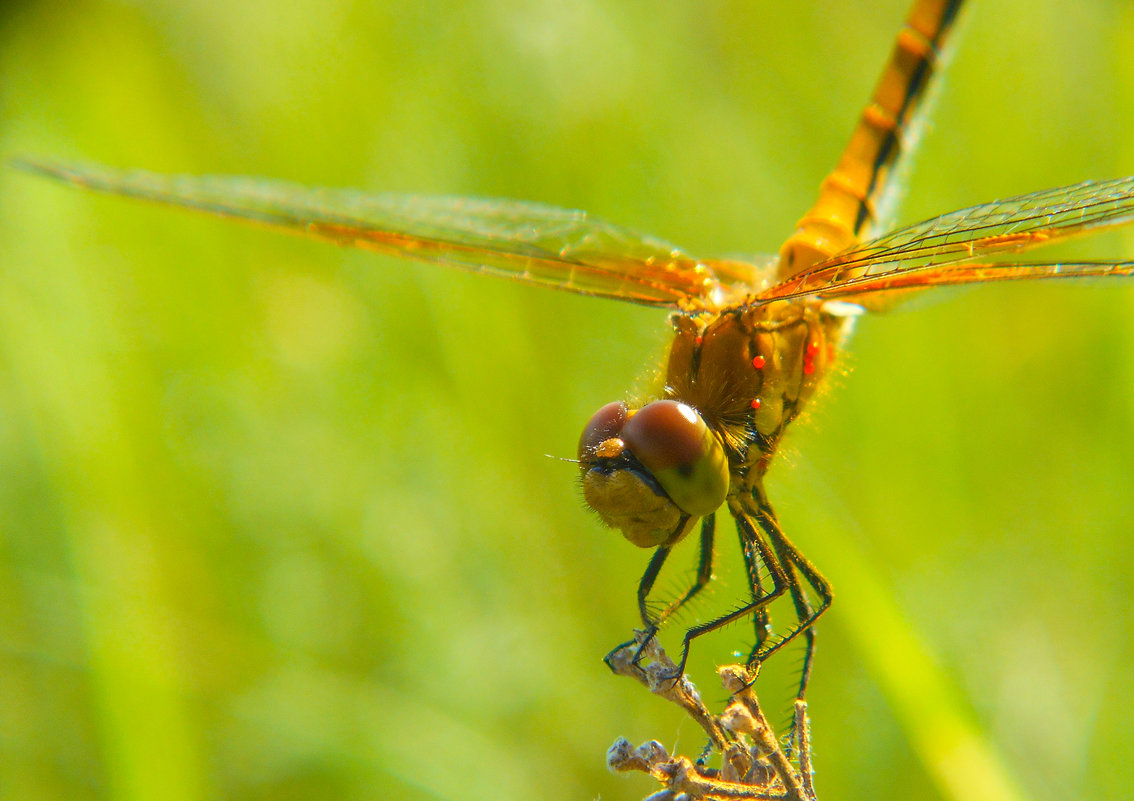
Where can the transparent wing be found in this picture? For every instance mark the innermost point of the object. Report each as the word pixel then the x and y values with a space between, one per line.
pixel 527 242
pixel 967 246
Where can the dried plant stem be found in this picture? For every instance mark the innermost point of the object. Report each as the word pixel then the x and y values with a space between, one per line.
pixel 754 764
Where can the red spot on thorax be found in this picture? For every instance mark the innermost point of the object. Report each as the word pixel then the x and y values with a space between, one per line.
pixel 755 403
pixel 759 362
pixel 809 357
pixel 699 339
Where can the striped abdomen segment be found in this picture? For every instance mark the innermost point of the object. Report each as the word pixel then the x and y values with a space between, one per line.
pixel 849 196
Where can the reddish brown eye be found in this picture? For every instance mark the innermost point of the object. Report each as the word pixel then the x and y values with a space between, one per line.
pixel 671 440
pixel 664 434
pixel 678 471
pixel 605 424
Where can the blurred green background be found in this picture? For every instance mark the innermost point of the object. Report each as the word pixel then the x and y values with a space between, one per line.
pixel 277 519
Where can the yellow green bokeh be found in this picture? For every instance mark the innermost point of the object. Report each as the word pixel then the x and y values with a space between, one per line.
pixel 277 520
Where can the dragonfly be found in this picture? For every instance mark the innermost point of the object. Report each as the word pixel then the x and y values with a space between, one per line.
pixel 752 340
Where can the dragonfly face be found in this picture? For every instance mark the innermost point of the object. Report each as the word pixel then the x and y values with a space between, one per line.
pixel 652 472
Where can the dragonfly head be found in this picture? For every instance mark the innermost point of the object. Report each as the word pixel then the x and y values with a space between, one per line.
pixel 652 472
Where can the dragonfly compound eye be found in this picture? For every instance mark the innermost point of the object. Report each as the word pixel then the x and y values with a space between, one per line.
pixel 604 426
pixel 653 472
pixel 671 440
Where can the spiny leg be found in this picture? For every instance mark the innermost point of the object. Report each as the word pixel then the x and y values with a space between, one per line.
pixel 804 612
pixel 808 615
pixel 704 572
pixel 761 618
pixel 756 550
pixel 653 569
pixel 795 564
pixel 645 584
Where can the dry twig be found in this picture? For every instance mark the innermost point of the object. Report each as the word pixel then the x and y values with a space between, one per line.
pixel 754 764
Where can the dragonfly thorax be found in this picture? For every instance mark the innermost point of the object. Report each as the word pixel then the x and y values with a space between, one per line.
pixel 749 370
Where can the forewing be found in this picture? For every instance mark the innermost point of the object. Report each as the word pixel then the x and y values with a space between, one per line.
pixel 527 242
pixel 972 245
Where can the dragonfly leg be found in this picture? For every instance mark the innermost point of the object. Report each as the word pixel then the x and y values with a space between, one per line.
pixel 795 565
pixel 762 617
pixel 703 577
pixel 647 583
pixel 654 622
pixel 757 550
pixel 644 586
